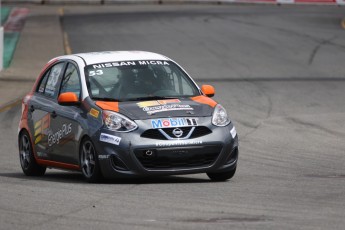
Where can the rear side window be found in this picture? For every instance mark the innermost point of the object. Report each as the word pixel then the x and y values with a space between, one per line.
pixel 53 79
pixel 43 83
pixel 49 83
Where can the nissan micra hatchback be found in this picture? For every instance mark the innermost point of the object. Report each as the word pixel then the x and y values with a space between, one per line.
pixel 124 114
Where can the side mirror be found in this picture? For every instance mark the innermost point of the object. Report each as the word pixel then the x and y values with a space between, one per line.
pixel 208 90
pixel 68 98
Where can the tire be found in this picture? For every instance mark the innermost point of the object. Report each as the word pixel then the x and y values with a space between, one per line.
pixel 223 176
pixel 89 162
pixel 27 158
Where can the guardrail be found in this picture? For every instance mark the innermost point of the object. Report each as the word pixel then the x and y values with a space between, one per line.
pixel 97 2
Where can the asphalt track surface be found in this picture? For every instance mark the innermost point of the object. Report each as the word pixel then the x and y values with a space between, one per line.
pixel 280 73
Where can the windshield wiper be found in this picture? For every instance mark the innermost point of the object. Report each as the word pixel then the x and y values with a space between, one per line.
pixel 150 98
pixel 105 99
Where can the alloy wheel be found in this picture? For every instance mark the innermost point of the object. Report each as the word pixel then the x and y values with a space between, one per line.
pixel 88 156
pixel 24 152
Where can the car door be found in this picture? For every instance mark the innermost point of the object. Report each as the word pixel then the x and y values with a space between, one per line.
pixel 67 118
pixel 41 107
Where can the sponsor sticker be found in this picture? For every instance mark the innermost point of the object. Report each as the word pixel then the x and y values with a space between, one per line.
pixel 144 104
pixel 173 122
pixel 153 63
pixel 54 138
pixel 103 157
pixel 166 108
pixel 157 103
pixel 178 143
pixel 129 63
pixel 110 139
pixel 94 112
pixel 42 129
pixel 152 107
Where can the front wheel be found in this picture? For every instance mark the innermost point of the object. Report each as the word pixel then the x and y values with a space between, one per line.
pixel 89 162
pixel 27 158
pixel 223 176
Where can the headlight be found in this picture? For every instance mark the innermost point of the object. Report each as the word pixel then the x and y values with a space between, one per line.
pixel 118 122
pixel 220 117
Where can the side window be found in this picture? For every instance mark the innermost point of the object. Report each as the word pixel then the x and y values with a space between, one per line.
pixel 53 78
pixel 70 81
pixel 186 87
pixel 179 83
pixel 43 83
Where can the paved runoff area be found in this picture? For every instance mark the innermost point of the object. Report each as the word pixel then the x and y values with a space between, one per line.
pixel 278 70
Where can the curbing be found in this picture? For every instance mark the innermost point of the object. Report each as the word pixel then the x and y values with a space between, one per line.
pixel 12 28
pixel 31 55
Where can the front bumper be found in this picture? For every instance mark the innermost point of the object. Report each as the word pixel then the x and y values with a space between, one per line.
pixel 135 155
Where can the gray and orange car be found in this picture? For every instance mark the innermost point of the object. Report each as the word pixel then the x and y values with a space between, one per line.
pixel 124 114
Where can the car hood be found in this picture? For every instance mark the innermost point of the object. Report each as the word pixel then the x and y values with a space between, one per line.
pixel 198 106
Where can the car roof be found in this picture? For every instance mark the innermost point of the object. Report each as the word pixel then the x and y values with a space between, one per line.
pixel 115 56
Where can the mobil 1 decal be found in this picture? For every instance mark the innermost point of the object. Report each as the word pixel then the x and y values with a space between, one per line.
pixel 173 122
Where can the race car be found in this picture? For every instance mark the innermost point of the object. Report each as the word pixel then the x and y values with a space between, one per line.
pixel 121 114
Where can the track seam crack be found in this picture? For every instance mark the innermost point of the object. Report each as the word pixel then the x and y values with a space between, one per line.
pixel 318 47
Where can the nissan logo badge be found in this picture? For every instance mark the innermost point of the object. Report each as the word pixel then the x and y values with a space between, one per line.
pixel 177 132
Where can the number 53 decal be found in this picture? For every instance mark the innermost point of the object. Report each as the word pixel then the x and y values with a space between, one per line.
pixel 95 72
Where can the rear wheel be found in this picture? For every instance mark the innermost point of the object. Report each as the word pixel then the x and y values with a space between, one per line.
pixel 89 162
pixel 223 176
pixel 27 158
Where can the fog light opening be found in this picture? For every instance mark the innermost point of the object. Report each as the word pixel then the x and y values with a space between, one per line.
pixel 118 164
pixel 233 156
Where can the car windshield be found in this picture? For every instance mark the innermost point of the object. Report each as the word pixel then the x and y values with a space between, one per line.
pixel 138 80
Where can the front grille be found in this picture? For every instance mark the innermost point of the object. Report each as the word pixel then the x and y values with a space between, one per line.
pixel 185 131
pixel 153 134
pixel 179 157
pixel 199 131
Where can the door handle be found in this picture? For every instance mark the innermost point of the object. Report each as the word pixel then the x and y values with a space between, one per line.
pixel 32 108
pixel 53 114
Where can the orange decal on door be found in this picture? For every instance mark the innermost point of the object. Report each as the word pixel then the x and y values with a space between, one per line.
pixel 40 127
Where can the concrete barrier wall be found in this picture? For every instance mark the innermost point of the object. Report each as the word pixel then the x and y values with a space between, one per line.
pixel 327 2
